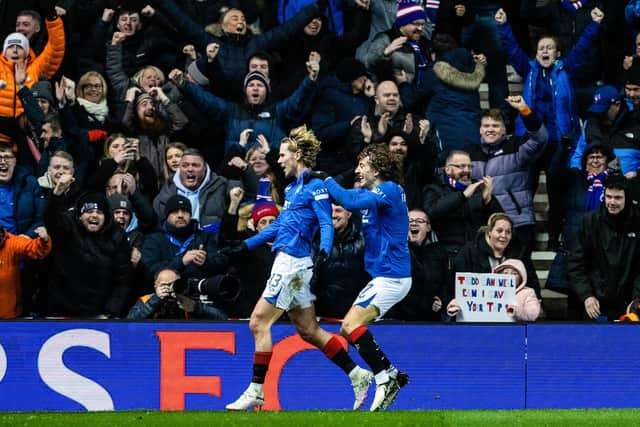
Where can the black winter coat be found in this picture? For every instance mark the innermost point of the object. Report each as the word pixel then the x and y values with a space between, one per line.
pixel 603 260
pixel 91 272
pixel 429 278
pixel 252 269
pixel 339 280
pixel 455 218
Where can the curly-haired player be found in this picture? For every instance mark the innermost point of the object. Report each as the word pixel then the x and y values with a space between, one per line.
pixel 306 209
pixel 385 223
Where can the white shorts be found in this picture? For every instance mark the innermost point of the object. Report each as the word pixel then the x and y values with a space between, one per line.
pixel 383 293
pixel 288 285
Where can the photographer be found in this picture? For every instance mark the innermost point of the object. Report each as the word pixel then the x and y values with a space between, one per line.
pixel 170 301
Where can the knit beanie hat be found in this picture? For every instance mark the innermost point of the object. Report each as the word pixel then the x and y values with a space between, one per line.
pixel 408 11
pixel 261 210
pixel 256 75
pixel 16 39
pixel 120 201
pixel 93 200
pixel 350 69
pixel 633 74
pixel 142 97
pixel 42 89
pixel 177 203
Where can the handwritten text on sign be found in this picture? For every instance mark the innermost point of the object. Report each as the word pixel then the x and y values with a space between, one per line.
pixel 484 297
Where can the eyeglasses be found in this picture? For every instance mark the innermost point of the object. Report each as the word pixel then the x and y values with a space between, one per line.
pixel 462 167
pixel 8 158
pixel 418 221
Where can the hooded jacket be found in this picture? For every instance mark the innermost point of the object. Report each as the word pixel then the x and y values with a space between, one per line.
pixel 450 93
pixel 527 306
pixel 212 195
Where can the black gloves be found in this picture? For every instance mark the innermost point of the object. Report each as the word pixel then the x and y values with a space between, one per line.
pixel 234 248
pixel 316 174
pixel 321 257
pixel 48 9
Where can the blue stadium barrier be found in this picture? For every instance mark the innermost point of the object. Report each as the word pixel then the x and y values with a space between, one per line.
pixel 100 365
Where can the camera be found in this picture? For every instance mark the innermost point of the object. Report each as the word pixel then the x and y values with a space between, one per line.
pixel 220 286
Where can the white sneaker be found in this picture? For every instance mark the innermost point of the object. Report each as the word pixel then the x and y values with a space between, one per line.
pixel 251 398
pixel 360 381
pixel 381 392
pixel 385 395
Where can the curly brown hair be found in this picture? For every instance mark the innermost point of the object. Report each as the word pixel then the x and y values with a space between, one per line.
pixel 303 140
pixel 386 163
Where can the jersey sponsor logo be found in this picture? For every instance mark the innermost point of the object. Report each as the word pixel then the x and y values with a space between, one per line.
pixel 320 193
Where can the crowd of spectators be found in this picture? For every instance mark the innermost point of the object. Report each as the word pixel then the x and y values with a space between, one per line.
pixel 138 137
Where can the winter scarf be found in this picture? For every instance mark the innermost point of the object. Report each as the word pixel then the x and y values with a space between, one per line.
pixel 595 192
pixel 100 110
pixel 573 6
pixel 457 184
pixel 421 63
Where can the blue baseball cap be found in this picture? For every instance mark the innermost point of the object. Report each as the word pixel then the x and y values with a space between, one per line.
pixel 603 98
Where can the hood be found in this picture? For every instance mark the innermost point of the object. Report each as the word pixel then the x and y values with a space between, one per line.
pixel 516 264
pixel 458 69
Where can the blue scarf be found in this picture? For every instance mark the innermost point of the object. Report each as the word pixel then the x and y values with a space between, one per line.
pixel 421 63
pixel 431 9
pixel 264 189
pixel 182 246
pixel 457 184
pixel 595 192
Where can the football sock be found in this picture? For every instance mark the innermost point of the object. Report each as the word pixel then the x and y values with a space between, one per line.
pixel 366 345
pixel 337 354
pixel 260 365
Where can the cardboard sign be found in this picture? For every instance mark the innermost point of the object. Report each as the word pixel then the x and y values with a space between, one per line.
pixel 484 297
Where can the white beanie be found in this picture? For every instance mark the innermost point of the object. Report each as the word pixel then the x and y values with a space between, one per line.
pixel 16 39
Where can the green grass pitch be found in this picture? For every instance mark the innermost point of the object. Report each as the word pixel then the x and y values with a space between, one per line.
pixel 537 418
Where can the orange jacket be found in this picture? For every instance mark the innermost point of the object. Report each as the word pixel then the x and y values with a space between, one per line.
pixel 46 64
pixel 14 250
